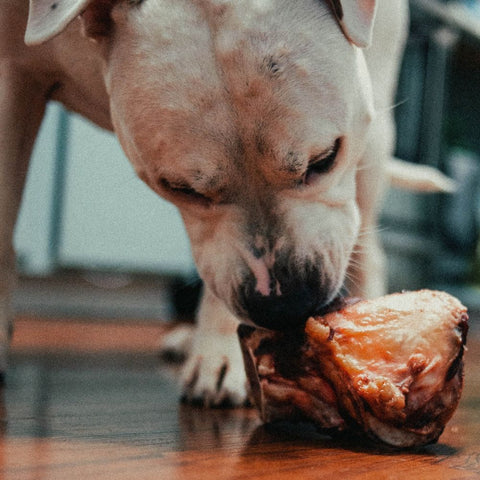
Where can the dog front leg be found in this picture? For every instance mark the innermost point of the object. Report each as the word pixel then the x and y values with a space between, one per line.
pixel 214 373
pixel 366 276
pixel 22 107
pixel 367 272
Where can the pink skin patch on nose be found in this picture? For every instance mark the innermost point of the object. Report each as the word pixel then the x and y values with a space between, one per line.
pixel 262 275
pixel 260 267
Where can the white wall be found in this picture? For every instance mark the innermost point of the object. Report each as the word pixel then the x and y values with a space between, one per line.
pixel 32 239
pixel 108 218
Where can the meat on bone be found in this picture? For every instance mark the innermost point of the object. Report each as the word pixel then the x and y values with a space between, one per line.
pixel 390 368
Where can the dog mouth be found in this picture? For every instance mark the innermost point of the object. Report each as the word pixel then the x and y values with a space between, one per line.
pixel 282 320
pixel 338 303
pixel 290 301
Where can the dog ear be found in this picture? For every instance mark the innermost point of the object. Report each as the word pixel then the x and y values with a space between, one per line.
pixel 356 19
pixel 47 18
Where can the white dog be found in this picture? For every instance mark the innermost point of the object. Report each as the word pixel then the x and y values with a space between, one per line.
pixel 266 122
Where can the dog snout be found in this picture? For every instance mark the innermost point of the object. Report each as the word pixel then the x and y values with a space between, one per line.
pixel 289 301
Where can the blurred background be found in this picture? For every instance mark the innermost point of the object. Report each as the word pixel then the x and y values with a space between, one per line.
pixel 93 241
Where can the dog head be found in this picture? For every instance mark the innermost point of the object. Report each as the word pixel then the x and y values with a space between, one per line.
pixel 251 116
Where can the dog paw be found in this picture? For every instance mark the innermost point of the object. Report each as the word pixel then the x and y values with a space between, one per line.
pixel 177 343
pixel 214 374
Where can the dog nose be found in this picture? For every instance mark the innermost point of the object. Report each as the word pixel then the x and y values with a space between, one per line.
pixel 288 306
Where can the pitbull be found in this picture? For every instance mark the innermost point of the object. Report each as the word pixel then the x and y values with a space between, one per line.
pixel 266 122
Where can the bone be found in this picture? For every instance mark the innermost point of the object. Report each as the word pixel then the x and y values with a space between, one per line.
pixel 390 369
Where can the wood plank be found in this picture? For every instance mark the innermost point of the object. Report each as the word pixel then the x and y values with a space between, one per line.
pixel 87 336
pixel 94 415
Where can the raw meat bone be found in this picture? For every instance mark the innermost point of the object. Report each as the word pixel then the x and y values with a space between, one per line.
pixel 391 368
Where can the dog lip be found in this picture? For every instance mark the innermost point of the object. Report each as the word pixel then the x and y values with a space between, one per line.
pixel 338 303
pixel 288 324
pixel 280 312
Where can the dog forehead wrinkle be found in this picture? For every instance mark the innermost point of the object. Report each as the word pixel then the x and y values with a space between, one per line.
pixel 257 42
pixel 175 79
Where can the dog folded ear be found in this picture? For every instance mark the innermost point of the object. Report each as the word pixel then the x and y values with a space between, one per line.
pixel 47 18
pixel 356 19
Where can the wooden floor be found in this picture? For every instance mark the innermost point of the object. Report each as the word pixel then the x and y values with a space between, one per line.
pixel 91 401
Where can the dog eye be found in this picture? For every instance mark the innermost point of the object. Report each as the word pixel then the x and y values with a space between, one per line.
pixel 322 163
pixel 186 192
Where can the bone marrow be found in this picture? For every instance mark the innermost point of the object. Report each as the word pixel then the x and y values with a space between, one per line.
pixel 390 368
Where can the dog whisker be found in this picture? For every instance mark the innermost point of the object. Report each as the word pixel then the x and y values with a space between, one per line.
pixel 392 107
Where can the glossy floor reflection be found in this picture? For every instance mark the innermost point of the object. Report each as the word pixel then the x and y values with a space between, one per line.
pixel 115 415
